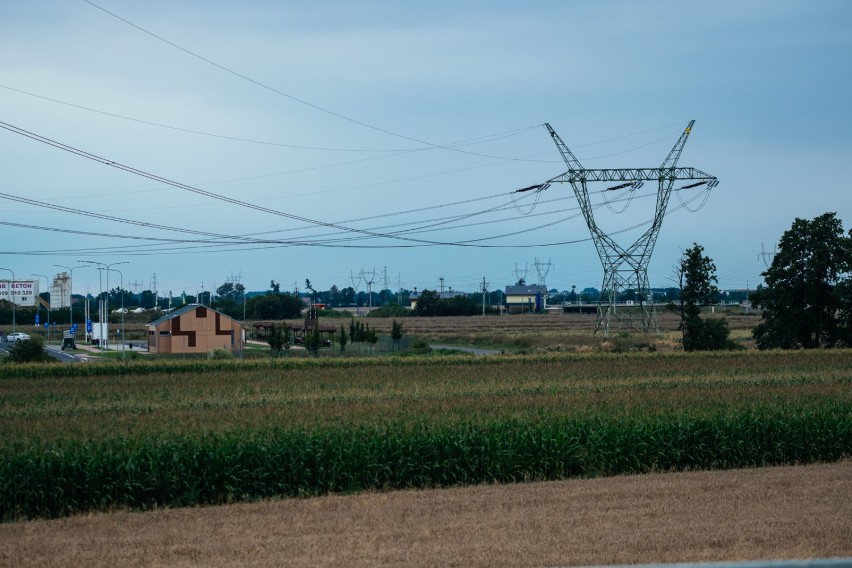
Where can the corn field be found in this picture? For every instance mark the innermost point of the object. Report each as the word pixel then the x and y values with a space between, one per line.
pixel 79 438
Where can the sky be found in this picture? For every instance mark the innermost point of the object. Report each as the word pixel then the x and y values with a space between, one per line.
pixel 194 143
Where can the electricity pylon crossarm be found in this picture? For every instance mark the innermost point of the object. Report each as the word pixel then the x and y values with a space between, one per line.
pixel 627 268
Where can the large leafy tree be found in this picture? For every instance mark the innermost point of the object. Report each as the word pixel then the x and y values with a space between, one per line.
pixel 806 299
pixel 697 286
pixel 427 303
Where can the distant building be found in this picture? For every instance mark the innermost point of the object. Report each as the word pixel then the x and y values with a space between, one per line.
pixel 60 291
pixel 414 296
pixel 195 329
pixel 526 299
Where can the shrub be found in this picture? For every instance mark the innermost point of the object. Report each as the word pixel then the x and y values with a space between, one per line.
pixel 220 354
pixel 29 351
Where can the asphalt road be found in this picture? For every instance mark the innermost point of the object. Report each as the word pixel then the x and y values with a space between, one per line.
pixel 51 350
pixel 60 355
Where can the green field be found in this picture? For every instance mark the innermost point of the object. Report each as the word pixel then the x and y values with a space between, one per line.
pixel 173 433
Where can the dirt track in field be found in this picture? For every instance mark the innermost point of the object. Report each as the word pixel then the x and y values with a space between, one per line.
pixel 771 513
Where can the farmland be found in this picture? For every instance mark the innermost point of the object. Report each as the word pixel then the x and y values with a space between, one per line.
pixel 172 433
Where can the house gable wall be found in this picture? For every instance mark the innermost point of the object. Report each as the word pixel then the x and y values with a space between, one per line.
pixel 200 330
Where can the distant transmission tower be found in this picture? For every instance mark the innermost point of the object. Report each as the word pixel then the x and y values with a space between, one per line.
pixel 542 268
pixel 369 278
pixel 627 268
pixel 356 285
pixel 385 284
pixel 519 274
pixel 766 256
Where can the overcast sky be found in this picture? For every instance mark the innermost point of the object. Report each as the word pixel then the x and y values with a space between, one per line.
pixel 319 139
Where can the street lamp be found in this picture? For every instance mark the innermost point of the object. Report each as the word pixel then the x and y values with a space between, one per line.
pixel 11 296
pixel 122 302
pixel 104 340
pixel 71 303
pixel 46 283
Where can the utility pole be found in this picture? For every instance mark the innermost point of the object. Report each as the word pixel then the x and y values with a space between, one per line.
pixel 442 285
pixel 104 339
pixel 484 291
pixel 12 295
pixel 153 285
pixel 71 291
pixel 46 283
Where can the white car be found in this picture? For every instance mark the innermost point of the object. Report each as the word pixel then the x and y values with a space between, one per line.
pixel 15 337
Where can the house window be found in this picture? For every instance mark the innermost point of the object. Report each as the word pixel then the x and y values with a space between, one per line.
pixel 165 332
pixel 201 312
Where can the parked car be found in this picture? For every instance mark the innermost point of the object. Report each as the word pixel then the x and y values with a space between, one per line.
pixel 18 336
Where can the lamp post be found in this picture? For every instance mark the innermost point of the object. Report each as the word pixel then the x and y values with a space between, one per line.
pixel 71 302
pixel 46 283
pixel 104 340
pixel 122 302
pixel 11 296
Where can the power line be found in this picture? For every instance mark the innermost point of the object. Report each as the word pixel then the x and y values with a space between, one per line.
pixel 200 132
pixel 274 243
pixel 282 93
pixel 190 188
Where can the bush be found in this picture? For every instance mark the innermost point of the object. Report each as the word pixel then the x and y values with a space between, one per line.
pixel 707 335
pixel 390 311
pixel 220 354
pixel 29 351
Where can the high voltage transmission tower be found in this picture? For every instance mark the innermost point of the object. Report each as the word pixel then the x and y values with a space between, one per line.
pixel 369 278
pixel 626 268
pixel 766 256
pixel 356 285
pixel 542 268
pixel 521 275
pixel 385 284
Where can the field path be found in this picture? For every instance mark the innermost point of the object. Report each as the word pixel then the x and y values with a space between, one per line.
pixel 770 513
pixel 473 350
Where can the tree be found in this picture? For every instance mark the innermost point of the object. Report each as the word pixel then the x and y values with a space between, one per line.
pixel 313 341
pixel 396 333
pixel 806 299
pixel 427 303
pixel 697 281
pixel 343 339
pixel 230 291
pixel 275 340
pixel 372 338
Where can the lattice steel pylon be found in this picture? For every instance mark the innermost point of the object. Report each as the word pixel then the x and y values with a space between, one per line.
pixel 627 268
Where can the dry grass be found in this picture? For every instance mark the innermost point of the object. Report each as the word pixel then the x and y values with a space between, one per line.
pixel 772 513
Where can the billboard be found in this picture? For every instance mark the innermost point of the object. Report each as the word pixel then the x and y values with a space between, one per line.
pixel 22 292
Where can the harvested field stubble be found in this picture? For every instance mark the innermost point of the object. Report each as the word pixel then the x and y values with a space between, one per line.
pixel 749 514
pixel 183 433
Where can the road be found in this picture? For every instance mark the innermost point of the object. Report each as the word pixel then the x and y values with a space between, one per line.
pixel 60 355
